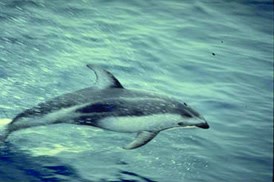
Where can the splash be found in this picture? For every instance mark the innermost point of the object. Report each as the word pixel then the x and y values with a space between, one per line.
pixel 3 124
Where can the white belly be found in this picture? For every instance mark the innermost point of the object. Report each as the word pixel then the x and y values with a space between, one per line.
pixel 132 124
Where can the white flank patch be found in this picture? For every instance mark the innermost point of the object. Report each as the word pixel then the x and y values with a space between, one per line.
pixel 132 124
pixel 63 115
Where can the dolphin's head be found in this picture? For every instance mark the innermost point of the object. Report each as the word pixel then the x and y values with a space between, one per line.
pixel 191 118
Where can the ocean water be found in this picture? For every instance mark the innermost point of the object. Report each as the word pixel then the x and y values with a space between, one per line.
pixel 217 56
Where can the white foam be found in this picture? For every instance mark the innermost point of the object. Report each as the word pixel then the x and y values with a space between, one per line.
pixel 5 121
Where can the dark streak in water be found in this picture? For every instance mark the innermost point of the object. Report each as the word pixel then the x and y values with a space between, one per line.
pixel 32 168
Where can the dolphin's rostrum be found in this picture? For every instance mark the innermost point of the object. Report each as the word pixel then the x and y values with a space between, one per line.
pixel 112 107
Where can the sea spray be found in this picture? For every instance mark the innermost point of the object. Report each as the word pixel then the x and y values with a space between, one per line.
pixel 3 128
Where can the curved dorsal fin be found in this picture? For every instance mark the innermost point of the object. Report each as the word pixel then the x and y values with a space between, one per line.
pixel 104 79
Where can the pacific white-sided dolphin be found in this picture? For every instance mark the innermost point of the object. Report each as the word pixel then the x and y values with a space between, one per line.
pixel 112 107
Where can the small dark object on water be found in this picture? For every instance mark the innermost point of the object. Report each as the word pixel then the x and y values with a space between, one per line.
pixel 222 41
pixel 213 54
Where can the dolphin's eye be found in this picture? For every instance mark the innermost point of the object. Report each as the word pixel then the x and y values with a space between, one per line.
pixel 185 104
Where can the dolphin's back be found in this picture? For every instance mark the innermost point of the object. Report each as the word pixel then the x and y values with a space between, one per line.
pixel 83 96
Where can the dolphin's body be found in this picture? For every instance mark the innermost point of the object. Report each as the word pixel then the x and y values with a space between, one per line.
pixel 111 107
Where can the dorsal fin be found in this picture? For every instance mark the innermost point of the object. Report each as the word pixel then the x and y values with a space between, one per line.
pixel 104 79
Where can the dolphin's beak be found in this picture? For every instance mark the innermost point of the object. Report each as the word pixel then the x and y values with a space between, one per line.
pixel 202 125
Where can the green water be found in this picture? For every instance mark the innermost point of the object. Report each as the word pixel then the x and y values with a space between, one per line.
pixel 217 56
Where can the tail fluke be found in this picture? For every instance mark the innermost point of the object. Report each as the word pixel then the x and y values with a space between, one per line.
pixel 3 129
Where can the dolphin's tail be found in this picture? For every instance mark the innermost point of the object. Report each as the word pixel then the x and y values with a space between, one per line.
pixel 3 129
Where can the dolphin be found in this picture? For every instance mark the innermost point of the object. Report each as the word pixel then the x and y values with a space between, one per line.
pixel 110 106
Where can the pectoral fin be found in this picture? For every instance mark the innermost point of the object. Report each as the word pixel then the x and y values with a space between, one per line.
pixel 141 139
